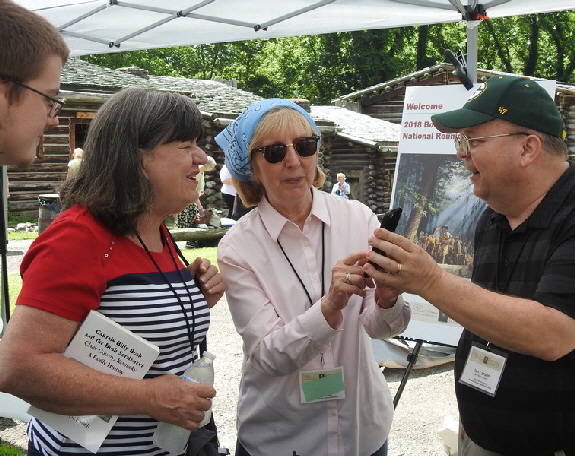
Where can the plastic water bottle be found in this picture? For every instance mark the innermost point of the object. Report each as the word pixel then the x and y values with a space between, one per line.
pixel 172 438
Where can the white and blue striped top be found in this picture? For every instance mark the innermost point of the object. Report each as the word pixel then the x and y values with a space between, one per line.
pixel 131 292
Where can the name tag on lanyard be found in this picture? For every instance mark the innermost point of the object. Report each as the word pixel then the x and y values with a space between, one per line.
pixel 321 385
pixel 483 370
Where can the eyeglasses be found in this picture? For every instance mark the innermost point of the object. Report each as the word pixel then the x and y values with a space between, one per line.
pixel 276 153
pixel 463 143
pixel 57 104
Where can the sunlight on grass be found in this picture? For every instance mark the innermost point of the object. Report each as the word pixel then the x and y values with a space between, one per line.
pixel 14 286
pixel 211 253
pixel 18 236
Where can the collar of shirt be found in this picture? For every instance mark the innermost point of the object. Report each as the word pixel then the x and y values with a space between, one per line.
pixel 274 221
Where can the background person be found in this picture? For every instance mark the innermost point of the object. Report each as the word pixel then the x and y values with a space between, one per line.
pixel 110 251
pixel 75 162
pixel 228 190
pixel 519 309
pixel 298 297
pixel 341 187
pixel 186 218
pixel 32 57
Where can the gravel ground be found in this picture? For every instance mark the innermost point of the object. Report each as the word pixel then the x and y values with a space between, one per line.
pixel 426 401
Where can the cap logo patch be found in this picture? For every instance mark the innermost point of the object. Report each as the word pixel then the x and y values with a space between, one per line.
pixel 502 110
pixel 480 89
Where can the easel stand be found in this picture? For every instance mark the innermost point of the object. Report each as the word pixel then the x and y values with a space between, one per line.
pixel 411 360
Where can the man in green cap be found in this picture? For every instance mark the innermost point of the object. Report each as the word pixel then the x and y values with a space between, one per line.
pixel 515 364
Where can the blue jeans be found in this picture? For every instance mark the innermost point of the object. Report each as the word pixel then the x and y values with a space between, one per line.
pixel 241 451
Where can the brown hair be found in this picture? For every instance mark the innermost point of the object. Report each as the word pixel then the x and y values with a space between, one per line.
pixel 552 144
pixel 27 40
pixel 277 119
pixel 111 182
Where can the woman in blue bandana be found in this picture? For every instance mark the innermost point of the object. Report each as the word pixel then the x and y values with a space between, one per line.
pixel 301 296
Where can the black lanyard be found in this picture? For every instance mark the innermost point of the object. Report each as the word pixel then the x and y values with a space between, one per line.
pixel 191 328
pixel 322 265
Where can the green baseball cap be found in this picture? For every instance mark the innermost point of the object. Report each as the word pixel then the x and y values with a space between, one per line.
pixel 516 99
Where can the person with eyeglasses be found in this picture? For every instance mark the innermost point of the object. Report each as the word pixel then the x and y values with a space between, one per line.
pixel 33 55
pixel 515 361
pixel 293 269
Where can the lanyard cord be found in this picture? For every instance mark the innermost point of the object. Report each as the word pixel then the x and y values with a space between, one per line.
pixel 190 328
pixel 322 265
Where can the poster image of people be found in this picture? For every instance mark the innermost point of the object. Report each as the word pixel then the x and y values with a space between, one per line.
pixel 440 210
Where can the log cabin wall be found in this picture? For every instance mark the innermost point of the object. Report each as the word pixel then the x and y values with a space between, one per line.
pixel 368 169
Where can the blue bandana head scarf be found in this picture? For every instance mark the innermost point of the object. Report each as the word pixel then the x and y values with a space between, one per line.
pixel 236 137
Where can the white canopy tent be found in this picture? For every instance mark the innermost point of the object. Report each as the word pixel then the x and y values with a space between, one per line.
pixel 104 26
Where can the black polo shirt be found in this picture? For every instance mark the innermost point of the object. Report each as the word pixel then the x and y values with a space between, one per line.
pixel 533 412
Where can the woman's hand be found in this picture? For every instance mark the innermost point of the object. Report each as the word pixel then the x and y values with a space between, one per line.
pixel 211 281
pixel 347 279
pixel 173 400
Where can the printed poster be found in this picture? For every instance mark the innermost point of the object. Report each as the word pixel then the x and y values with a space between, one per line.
pixel 440 211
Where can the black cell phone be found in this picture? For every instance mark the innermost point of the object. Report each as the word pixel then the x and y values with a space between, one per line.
pixel 389 221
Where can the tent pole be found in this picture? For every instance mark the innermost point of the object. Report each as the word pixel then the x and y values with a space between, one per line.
pixel 472 39
pixel 5 296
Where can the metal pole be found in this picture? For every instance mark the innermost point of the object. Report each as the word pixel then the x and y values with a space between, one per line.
pixel 5 295
pixel 472 39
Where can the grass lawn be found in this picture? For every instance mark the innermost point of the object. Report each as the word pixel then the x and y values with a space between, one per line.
pixel 9 450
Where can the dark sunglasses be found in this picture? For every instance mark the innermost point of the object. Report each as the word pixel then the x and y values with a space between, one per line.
pixel 276 153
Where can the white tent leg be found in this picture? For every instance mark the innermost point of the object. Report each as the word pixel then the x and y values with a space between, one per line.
pixel 472 38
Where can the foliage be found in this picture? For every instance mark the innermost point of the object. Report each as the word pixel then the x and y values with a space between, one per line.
pixel 323 67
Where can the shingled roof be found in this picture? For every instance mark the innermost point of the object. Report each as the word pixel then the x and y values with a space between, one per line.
pixel 358 127
pixel 218 99
pixel 214 97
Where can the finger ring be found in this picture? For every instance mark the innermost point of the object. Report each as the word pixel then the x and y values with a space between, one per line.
pixel 399 267
pixel 347 278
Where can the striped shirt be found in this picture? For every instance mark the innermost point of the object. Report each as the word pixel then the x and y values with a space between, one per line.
pixel 77 265
pixel 533 412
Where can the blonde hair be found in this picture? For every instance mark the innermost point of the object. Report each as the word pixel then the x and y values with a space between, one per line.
pixel 340 175
pixel 277 119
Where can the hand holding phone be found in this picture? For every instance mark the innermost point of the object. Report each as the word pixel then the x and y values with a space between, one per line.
pixel 389 221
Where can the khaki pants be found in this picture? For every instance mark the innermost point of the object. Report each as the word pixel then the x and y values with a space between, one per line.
pixel 469 448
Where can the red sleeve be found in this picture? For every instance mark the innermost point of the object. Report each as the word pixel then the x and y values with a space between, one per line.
pixel 63 271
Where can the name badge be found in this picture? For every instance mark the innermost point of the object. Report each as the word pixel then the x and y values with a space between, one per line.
pixel 321 385
pixel 483 370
